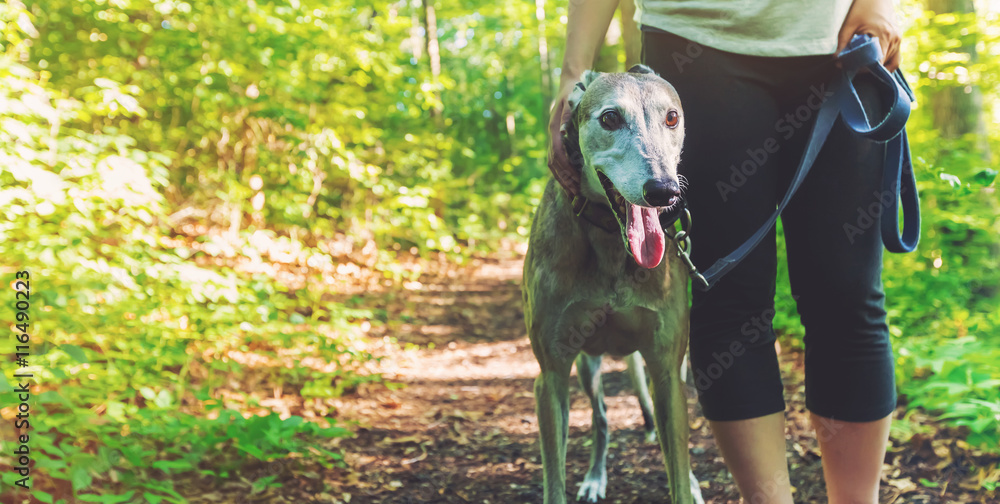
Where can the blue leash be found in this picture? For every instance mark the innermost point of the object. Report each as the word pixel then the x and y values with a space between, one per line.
pixel 897 179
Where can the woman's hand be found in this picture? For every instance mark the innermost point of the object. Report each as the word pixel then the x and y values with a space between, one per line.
pixel 587 22
pixel 878 19
pixel 559 163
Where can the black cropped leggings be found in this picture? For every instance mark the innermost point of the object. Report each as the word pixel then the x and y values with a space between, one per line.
pixel 747 119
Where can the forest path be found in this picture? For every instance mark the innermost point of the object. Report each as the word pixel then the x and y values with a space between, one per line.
pixel 462 428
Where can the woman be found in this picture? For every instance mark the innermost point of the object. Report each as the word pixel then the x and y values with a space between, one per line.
pixel 750 76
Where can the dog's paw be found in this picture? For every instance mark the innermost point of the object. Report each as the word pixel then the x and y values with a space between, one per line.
pixel 592 488
pixel 650 436
pixel 696 489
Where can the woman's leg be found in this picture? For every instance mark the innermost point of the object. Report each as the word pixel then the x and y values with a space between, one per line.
pixel 731 138
pixel 754 451
pixel 853 453
pixel 835 265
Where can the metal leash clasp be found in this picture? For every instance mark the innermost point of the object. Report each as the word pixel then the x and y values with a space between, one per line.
pixel 683 240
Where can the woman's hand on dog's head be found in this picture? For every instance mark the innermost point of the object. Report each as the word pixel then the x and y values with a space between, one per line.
pixel 559 116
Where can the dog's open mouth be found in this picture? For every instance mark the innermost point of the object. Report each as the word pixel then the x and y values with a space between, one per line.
pixel 640 226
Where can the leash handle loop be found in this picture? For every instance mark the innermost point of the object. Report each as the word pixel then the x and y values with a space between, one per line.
pixel 863 52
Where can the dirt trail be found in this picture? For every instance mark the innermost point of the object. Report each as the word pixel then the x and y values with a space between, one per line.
pixel 462 429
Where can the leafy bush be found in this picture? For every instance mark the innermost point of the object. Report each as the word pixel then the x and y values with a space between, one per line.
pixel 131 131
pixel 134 333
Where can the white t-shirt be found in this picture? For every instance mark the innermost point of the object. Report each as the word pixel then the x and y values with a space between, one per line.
pixel 754 27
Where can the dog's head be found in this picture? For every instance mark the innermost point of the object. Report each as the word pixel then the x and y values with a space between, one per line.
pixel 625 136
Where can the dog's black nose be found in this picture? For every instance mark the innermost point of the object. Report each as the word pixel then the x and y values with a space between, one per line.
pixel 661 193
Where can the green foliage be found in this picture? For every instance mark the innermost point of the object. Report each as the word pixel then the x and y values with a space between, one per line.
pixel 327 105
pixel 132 131
pixel 948 348
pixel 136 336
pixel 945 298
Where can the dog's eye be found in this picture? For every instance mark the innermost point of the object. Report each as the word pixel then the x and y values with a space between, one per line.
pixel 673 118
pixel 611 120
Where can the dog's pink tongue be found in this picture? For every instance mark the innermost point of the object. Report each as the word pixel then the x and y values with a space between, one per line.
pixel 645 237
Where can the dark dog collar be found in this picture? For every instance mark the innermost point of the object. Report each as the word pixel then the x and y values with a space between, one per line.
pixel 604 218
pixel 598 215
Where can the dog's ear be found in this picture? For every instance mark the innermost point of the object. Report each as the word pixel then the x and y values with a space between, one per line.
pixel 576 95
pixel 571 133
pixel 641 69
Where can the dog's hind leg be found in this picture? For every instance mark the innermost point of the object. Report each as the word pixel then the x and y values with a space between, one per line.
pixel 552 407
pixel 686 374
pixel 670 411
pixel 588 369
pixel 637 372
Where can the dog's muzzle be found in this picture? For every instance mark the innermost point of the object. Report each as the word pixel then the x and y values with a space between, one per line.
pixel 640 225
pixel 660 193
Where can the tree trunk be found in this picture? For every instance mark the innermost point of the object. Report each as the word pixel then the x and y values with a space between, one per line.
pixel 431 38
pixel 508 117
pixel 543 56
pixel 625 33
pixel 606 59
pixel 631 36
pixel 415 39
pixel 958 109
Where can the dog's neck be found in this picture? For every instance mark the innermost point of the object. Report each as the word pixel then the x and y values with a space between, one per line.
pixel 597 214
pixel 607 249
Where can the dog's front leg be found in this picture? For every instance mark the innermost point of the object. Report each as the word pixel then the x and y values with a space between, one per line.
pixel 552 407
pixel 595 483
pixel 670 410
pixel 637 373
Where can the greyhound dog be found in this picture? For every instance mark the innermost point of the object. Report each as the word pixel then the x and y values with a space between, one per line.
pixel 607 289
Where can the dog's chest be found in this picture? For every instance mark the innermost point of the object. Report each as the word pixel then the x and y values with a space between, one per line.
pixel 604 329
